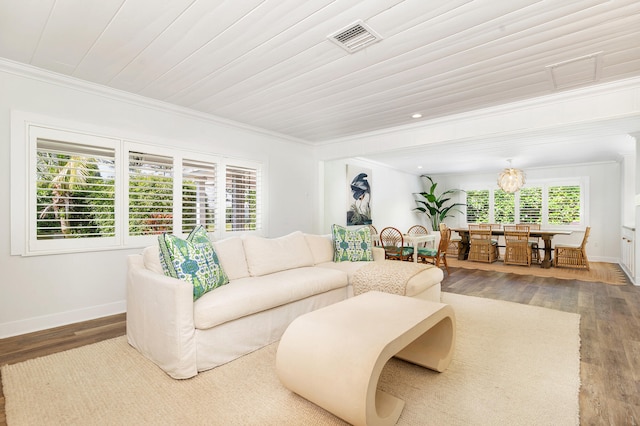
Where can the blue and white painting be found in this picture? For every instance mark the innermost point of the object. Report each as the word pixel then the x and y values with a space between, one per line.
pixel 359 196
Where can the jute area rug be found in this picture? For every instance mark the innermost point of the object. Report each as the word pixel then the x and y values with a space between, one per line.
pixel 514 365
pixel 608 273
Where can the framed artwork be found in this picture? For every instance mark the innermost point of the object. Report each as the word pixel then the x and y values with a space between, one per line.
pixel 358 196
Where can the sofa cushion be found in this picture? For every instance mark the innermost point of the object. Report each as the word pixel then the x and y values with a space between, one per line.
pixel 151 259
pixel 321 247
pixel 269 255
pixel 348 268
pixel 250 295
pixel 231 255
pixel 351 244
pixel 192 260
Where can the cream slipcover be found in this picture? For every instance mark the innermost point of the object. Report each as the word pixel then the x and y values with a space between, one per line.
pixel 272 282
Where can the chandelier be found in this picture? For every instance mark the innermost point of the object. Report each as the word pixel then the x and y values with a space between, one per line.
pixel 511 180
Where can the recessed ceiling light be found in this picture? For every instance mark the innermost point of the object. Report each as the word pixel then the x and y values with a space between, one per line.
pixel 419 167
pixel 416 115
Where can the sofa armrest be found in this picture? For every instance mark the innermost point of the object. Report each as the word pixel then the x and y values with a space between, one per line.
pixel 378 253
pixel 160 319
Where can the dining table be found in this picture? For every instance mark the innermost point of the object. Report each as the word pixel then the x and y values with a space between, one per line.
pixel 545 234
pixel 415 240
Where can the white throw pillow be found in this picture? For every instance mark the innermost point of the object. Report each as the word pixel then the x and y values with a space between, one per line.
pixel 231 256
pixel 151 259
pixel 321 247
pixel 269 255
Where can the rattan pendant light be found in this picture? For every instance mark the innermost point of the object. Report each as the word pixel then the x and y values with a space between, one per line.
pixel 511 180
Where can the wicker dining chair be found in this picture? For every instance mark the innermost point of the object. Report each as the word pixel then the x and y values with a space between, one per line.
pixel 517 248
pixel 393 242
pixel 418 230
pixel 573 256
pixel 494 239
pixel 439 255
pixel 455 244
pixel 534 242
pixel 374 234
pixel 481 247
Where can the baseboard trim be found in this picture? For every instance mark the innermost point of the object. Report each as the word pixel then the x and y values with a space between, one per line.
pixel 29 325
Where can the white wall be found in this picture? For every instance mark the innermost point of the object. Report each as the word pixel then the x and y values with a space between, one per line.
pixel 45 291
pixel 605 204
pixel 391 196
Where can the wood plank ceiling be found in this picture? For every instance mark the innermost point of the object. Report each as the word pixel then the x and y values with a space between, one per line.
pixel 269 63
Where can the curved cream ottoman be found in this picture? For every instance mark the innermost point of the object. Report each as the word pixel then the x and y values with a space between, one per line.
pixel 334 356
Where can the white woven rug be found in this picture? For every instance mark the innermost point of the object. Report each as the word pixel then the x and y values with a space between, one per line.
pixel 514 365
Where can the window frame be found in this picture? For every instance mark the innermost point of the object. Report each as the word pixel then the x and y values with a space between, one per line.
pixel 34 245
pixel 26 128
pixel 545 184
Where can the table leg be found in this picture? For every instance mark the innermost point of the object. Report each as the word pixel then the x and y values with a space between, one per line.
pixel 463 251
pixel 546 262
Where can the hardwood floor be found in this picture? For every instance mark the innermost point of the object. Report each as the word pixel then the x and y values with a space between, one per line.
pixel 609 329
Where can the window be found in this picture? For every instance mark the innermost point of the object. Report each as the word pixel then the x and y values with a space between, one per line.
pixel 530 205
pixel 553 204
pixel 150 194
pixel 199 195
pixel 75 190
pixel 564 205
pixel 504 207
pixel 242 212
pixel 478 206
pixel 88 192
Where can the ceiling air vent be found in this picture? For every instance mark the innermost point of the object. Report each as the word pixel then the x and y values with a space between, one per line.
pixel 575 72
pixel 355 37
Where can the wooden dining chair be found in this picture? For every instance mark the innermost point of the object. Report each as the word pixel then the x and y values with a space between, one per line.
pixel 573 256
pixel 455 243
pixel 418 230
pixel 392 241
pixel 481 246
pixel 517 248
pixel 439 255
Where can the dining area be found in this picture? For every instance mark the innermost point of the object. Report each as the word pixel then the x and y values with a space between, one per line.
pixel 526 245
pixel 519 244
pixel 416 244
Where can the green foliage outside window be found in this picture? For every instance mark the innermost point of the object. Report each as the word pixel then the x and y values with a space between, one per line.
pixel 504 207
pixel 478 206
pixel 531 205
pixel 564 205
pixel 73 198
pixel 150 205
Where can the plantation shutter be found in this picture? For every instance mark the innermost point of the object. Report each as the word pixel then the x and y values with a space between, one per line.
pixel 531 205
pixel 242 189
pixel 199 195
pixel 564 205
pixel 504 207
pixel 75 190
pixel 478 206
pixel 150 194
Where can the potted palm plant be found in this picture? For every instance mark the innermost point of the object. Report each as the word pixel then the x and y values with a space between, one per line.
pixel 436 207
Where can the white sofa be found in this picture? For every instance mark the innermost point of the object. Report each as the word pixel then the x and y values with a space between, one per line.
pixel 271 282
